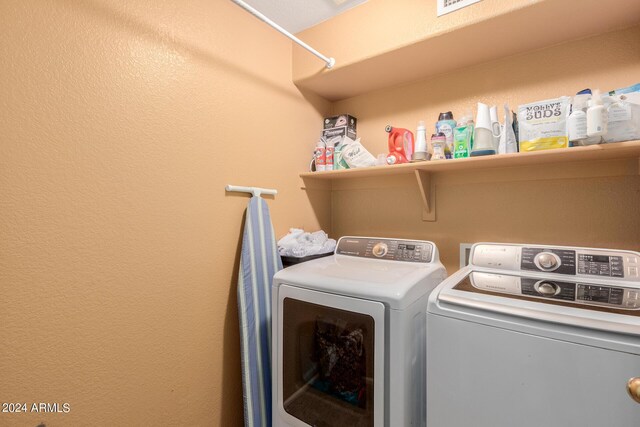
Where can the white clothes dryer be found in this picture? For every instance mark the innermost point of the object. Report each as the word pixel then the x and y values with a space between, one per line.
pixel 348 335
pixel 530 336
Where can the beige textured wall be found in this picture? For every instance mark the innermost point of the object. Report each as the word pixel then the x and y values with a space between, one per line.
pixel 546 204
pixel 120 124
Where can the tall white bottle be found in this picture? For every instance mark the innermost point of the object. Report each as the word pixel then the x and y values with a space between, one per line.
pixel 577 120
pixel 420 152
pixel 596 116
pixel 495 126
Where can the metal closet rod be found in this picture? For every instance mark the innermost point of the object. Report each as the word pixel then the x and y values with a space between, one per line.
pixel 329 62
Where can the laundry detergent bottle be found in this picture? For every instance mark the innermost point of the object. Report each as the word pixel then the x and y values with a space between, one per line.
pixel 400 145
pixel 445 125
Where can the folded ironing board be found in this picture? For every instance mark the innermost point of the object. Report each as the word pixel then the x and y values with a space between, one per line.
pixel 259 261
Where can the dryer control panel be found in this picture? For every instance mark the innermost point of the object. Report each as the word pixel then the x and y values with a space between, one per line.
pixel 567 261
pixel 389 249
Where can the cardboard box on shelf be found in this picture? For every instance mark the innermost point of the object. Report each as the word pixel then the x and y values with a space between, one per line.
pixel 341 125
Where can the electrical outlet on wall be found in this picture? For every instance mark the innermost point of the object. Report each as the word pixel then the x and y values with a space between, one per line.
pixel 448 6
pixel 465 253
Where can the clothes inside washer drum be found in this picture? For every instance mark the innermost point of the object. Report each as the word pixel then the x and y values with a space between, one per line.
pixel 259 261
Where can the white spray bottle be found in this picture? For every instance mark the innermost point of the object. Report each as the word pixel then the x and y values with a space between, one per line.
pixel 320 155
pixel 328 154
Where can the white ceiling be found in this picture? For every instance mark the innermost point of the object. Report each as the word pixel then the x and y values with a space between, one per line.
pixel 298 15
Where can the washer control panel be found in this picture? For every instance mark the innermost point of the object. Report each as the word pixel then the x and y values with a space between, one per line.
pixel 389 249
pixel 561 261
pixel 548 289
pixel 601 265
pixel 583 293
pixel 587 294
pixel 608 295
pixel 569 261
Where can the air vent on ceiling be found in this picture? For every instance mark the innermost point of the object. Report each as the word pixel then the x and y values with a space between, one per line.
pixel 448 6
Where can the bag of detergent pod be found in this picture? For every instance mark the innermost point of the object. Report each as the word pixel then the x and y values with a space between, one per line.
pixel 338 161
pixel 623 112
pixel 356 155
pixel 543 125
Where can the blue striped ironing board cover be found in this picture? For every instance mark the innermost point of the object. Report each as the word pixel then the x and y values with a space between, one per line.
pixel 259 261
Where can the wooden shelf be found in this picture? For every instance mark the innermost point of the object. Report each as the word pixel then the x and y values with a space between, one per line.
pixel 617 150
pixel 423 170
pixel 537 25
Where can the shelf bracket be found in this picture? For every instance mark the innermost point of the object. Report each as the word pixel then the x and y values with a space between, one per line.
pixel 427 188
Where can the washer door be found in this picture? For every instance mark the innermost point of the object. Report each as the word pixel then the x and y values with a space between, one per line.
pixel 330 359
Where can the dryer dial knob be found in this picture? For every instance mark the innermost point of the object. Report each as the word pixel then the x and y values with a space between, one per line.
pixel 547 261
pixel 380 249
pixel 547 289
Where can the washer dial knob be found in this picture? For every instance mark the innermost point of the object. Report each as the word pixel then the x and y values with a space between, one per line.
pixel 633 387
pixel 380 249
pixel 547 289
pixel 547 261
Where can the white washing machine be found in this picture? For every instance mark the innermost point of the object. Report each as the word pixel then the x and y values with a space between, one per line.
pixel 531 336
pixel 348 335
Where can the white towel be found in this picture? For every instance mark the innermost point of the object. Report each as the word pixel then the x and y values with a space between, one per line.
pixel 300 244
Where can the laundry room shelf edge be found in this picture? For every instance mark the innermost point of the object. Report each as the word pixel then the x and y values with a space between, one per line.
pixel 423 171
pixel 617 150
